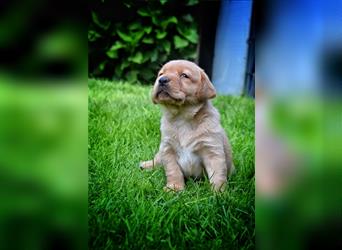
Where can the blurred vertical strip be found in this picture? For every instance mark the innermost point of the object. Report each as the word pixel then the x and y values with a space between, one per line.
pixel 298 124
pixel 43 125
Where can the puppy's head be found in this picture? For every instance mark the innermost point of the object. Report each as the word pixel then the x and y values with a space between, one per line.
pixel 182 82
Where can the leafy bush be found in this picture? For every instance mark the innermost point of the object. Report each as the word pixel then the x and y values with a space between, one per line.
pixel 130 39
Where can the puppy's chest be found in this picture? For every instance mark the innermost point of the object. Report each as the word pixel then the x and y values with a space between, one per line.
pixel 186 146
pixel 189 162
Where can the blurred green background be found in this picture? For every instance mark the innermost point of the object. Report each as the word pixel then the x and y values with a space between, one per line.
pixel 43 125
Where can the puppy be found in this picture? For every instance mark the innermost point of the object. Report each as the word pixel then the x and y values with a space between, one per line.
pixel 193 141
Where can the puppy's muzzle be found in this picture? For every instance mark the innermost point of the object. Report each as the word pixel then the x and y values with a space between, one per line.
pixel 163 81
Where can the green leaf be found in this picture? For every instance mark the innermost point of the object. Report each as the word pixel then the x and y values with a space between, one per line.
pixel 147 74
pixel 154 55
pixel 137 58
pixel 188 18
pixel 163 2
pixel 93 35
pixel 134 26
pixel 124 64
pixel 190 54
pixel 155 20
pixel 192 2
pixel 161 34
pixel 162 58
pixel 128 5
pixel 117 45
pixel 96 20
pixel 113 51
pixel 148 29
pixel 145 58
pixel 143 12
pixel 151 55
pixel 190 33
pixel 102 66
pixel 118 71
pixel 148 40
pixel 112 54
pixel 132 76
pixel 166 45
pixel 126 37
pixel 180 42
pixel 155 15
pixel 169 20
pixel 136 36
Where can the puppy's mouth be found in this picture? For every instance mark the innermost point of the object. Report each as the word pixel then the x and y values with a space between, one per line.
pixel 166 97
pixel 163 92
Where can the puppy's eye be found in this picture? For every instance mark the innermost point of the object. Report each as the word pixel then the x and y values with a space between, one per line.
pixel 184 75
pixel 160 74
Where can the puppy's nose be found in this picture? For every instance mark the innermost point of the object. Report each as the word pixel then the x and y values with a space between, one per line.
pixel 163 81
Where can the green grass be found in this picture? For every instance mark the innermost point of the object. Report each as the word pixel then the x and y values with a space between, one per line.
pixel 128 208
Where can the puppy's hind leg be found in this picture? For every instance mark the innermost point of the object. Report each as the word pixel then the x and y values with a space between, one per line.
pixel 151 163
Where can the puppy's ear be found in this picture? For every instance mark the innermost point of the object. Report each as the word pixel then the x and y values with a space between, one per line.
pixel 207 90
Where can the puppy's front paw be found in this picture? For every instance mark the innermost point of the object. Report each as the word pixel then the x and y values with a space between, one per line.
pixel 142 165
pixel 146 164
pixel 173 187
pixel 219 187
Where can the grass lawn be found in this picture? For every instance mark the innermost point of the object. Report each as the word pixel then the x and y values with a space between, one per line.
pixel 128 208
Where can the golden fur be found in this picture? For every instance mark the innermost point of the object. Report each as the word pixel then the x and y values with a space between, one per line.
pixel 193 141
